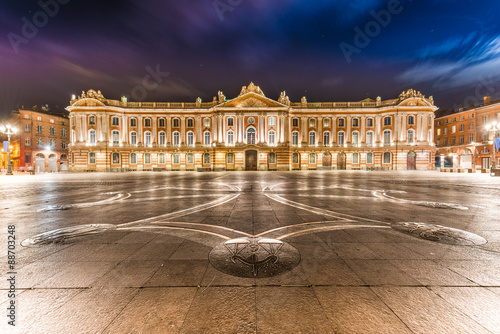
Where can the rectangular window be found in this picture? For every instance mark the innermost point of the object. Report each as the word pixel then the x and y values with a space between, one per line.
pixel 471 138
pixel 115 121
pixel 438 123
pixel 295 138
pixel 471 126
pixel 52 143
pixel 91 158
pixel 461 140
pixel 133 122
pixel 176 122
pixel 63 145
pixel 454 120
pixel 161 122
pixel 230 158
pixel 190 123
pixel 272 121
pixel 312 122
pixel 461 127
pixel 26 116
pixel 369 139
pixel 295 122
pixel 39 142
pixel 230 138
pixel 38 118
pixel 38 129
pixel 369 122
pixel 452 141
pixel 445 142
pixel 27 142
pixel 355 122
pixel 52 121
pixel 52 131
pixel 27 158
pixel 341 122
pixel 326 122
pixel 387 120
pixel 453 129
pixel 147 122
pixel 63 132
pixel 445 131
pixel 26 128
pixel 369 158
pixel 326 138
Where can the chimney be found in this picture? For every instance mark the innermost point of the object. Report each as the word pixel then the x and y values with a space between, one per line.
pixel 487 99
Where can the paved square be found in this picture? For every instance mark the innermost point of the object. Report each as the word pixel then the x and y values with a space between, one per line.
pixel 247 252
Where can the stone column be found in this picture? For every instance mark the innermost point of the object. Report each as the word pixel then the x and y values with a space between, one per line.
pixel 183 131
pixel 362 135
pixel 378 127
pixel 222 129
pixel 154 133
pixel 348 131
pixel 333 136
pixel 214 127
pixel 140 135
pixel 304 130
pixel 198 135
pixel 99 128
pixel 124 128
pixel 319 139
pixel 169 131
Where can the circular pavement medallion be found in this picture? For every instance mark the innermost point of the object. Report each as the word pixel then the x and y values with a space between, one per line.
pixel 438 233
pixel 254 257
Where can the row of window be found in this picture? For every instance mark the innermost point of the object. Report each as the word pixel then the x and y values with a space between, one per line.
pixel 387 121
pixel 453 141
pixel 39 142
pixel 454 129
pixel 39 129
pixel 251 136
pixel 386 158
pixel 39 118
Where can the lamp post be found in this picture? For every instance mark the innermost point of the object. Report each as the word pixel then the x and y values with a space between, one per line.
pixel 9 130
pixel 493 126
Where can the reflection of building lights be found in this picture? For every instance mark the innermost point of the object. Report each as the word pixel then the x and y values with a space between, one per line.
pixel 47 148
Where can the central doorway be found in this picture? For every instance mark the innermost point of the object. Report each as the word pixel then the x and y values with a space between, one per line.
pixel 327 160
pixel 251 160
pixel 411 161
pixel 341 161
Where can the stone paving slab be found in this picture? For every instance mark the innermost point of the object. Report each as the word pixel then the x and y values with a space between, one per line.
pixel 152 273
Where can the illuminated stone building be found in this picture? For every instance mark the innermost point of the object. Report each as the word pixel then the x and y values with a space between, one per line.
pixel 251 132
pixel 461 138
pixel 41 141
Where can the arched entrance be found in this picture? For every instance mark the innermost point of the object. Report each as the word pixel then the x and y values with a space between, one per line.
pixel 327 159
pixel 411 161
pixel 251 160
pixel 52 163
pixel 341 161
pixel 40 163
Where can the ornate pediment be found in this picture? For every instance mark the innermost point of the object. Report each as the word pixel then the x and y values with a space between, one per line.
pixel 418 99
pixel 251 88
pixel 92 94
pixel 252 100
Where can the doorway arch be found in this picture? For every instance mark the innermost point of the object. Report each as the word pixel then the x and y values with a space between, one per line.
pixel 341 161
pixel 411 161
pixel 251 160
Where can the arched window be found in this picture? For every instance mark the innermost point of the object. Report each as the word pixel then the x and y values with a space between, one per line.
pixel 147 158
pixel 411 120
pixel 161 158
pixel 340 138
pixel 115 158
pixel 295 138
pixel 116 137
pixel 190 138
pixel 355 158
pixel 161 138
pixel 355 138
pixel 387 157
pixel 312 158
pixel 295 158
pixel 206 138
pixel 189 158
pixel 271 138
pixel 230 137
pixel 91 158
pixel 175 158
pixel 411 136
pixel 272 121
pixel 369 138
pixel 230 158
pixel 369 158
pixel 272 158
pixel 326 138
pixel 133 138
pixel 92 137
pixel 206 158
pixel 312 138
pixel 251 136
pixel 176 138
pixel 387 137
pixel 133 158
pixel 147 138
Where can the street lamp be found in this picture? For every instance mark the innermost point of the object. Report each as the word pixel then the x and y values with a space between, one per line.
pixel 493 127
pixel 9 131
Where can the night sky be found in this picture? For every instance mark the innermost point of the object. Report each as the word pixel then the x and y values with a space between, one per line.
pixel 448 49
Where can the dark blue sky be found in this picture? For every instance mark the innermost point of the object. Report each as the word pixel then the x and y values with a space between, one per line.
pixel 448 49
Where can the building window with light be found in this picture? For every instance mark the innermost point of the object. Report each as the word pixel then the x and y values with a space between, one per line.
pixel 133 158
pixel 26 128
pixel 312 122
pixel 387 120
pixel 295 138
pixel 116 137
pixel 471 138
pixel 206 158
pixel 27 142
pixel 190 158
pixel 312 138
pixel 461 140
pixel 312 158
pixel 272 121
pixel 411 136
pixel 161 158
pixel 162 138
pixel 39 142
pixel 230 137
pixel 369 138
pixel 340 138
pixel 387 137
pixel 176 138
pixel 272 158
pixel 326 138
pixel 52 143
pixel 369 158
pixel 52 131
pixel 230 158
pixel 133 138
pixel 38 129
pixel 115 158
pixel 190 138
pixel 355 138
pixel 326 122
pixel 147 138
pixel 295 158
pixel 63 132
pixel 115 121
pixel 206 138
pixel 206 122
pixel 190 123
pixel 133 122
pixel 387 157
pixel 355 158
pixel 92 138
pixel 147 158
pixel 411 120
pixel 91 158
pixel 251 136
pixel 271 138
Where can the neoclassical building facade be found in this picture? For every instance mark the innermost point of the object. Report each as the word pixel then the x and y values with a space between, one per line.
pixel 251 132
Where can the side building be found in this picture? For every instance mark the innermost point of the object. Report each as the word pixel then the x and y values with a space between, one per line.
pixel 41 142
pixel 251 132
pixel 462 140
